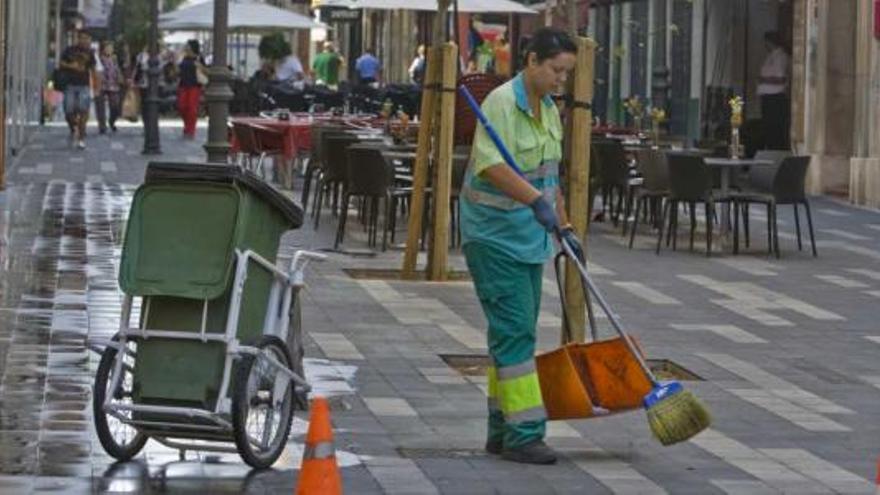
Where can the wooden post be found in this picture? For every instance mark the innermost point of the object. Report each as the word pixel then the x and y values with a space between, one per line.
pixel 439 247
pixel 420 168
pixel 577 178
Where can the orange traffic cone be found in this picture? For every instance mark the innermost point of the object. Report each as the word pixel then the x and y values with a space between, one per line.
pixel 319 474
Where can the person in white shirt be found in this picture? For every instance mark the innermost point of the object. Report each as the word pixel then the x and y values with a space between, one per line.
pixel 289 69
pixel 773 91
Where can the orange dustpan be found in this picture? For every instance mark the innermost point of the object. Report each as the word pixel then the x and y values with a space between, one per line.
pixel 585 380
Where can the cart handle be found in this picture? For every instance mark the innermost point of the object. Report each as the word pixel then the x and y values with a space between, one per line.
pixel 298 265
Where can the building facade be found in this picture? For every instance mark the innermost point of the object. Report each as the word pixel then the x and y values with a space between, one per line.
pixel 691 56
pixel 24 59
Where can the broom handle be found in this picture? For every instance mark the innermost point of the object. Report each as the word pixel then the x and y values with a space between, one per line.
pixel 585 277
pixel 490 130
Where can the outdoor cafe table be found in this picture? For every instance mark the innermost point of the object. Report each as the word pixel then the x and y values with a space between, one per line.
pixel 726 166
pixel 296 132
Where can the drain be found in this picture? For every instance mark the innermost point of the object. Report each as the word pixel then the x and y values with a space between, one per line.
pixel 392 274
pixel 417 453
pixel 476 364
pixel 664 369
pixel 467 364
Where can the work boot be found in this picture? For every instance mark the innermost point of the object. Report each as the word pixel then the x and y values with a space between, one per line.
pixel 536 452
pixel 494 447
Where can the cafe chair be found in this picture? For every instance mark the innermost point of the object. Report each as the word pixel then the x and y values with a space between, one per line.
pixel 690 182
pixel 614 176
pixel 654 189
pixel 333 171
pixel 788 188
pixel 760 179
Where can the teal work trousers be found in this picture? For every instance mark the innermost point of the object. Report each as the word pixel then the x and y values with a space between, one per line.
pixel 510 295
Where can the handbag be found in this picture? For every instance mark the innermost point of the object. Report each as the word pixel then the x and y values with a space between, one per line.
pixel 59 79
pixel 131 105
pixel 201 76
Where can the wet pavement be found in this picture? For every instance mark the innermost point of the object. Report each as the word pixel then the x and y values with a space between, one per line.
pixel 786 350
pixel 59 256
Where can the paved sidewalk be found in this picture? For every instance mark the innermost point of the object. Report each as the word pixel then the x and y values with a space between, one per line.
pixel 787 350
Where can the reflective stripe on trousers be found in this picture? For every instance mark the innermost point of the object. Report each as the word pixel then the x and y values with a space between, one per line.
pixel 516 392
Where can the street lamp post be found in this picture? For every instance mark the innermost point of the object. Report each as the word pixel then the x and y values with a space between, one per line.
pixel 218 93
pixel 151 114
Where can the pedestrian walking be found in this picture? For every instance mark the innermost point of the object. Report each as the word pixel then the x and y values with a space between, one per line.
pixel 502 56
pixel 418 66
pixel 505 220
pixel 78 63
pixel 368 68
pixel 189 89
pixel 773 91
pixel 142 79
pixel 326 66
pixel 108 99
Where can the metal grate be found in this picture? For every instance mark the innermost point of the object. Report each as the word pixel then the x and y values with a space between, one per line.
pixel 666 369
pixel 467 364
pixel 393 274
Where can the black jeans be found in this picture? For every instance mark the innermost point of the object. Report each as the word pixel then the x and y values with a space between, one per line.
pixel 111 100
pixel 775 121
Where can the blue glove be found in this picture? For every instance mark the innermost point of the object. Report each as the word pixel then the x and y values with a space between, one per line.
pixel 569 236
pixel 545 214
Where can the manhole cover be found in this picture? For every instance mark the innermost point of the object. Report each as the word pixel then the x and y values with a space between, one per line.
pixel 665 369
pixel 392 274
pixel 467 364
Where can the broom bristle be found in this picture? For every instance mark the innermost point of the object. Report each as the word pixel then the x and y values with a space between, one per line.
pixel 678 418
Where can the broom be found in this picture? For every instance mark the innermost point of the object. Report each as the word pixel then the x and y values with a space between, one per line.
pixel 674 414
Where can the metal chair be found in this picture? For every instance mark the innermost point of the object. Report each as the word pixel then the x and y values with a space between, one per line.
pixel 690 182
pixel 654 189
pixel 788 188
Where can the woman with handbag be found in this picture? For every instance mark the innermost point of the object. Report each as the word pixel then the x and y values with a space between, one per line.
pixel 189 89
pixel 110 95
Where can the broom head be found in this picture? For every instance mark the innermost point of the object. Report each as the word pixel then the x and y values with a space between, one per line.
pixel 675 414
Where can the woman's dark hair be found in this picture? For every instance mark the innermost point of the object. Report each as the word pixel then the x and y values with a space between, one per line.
pixel 549 42
pixel 194 46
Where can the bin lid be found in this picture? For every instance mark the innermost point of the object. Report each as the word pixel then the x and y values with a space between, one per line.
pixel 210 172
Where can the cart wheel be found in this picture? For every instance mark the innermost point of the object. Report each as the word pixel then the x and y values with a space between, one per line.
pixel 260 419
pixel 120 440
pixel 295 348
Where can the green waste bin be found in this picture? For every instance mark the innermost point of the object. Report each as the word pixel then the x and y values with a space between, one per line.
pixel 185 225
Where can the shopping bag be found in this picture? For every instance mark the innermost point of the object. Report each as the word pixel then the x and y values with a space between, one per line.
pixel 131 105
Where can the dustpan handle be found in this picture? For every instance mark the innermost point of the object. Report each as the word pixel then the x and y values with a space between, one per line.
pixel 566 325
pixel 615 322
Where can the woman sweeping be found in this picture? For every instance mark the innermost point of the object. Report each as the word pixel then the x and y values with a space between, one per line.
pixel 505 221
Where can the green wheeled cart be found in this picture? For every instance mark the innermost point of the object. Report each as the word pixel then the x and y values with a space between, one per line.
pixel 216 355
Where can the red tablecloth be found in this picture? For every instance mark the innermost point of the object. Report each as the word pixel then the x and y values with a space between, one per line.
pixel 296 133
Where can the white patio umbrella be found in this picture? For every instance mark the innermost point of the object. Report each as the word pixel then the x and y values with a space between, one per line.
pixel 468 6
pixel 244 15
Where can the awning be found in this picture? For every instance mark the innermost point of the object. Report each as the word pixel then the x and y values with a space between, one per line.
pixel 244 15
pixel 464 6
